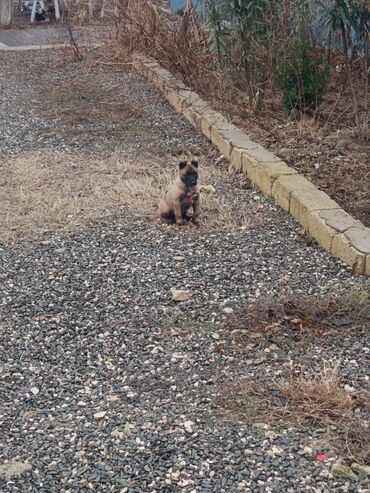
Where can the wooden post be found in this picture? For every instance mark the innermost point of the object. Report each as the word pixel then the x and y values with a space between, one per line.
pixel 57 11
pixel 6 10
pixel 33 11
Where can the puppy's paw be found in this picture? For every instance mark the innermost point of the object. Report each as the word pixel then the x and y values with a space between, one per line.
pixel 180 222
pixel 196 223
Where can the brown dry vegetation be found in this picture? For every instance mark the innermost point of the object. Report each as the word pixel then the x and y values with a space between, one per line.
pixel 324 146
pixel 318 400
pixel 50 190
pixel 311 396
pixel 300 319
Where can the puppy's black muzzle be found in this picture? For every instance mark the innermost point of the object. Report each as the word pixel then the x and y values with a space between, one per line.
pixel 190 180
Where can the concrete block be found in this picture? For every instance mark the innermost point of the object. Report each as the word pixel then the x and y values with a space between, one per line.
pixel 208 120
pixel 175 99
pixel 359 237
pixel 284 186
pixel 317 228
pixel 218 140
pixel 225 136
pixel 264 175
pixel 304 201
pixel 195 112
pixel 339 219
pixel 236 159
pixel 341 248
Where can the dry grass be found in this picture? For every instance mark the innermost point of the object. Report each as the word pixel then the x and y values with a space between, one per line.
pixel 310 399
pixel 52 191
pixel 177 42
pixel 314 399
pixel 313 396
pixel 299 320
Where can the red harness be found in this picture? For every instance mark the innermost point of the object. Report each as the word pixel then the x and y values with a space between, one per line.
pixel 190 197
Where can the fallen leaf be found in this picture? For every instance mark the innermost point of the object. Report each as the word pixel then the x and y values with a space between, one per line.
pixel 207 189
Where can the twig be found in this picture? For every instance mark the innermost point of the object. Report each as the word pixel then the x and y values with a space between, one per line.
pixel 76 50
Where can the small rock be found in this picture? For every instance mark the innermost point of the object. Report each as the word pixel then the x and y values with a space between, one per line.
pixel 228 310
pixel 274 451
pixel 308 450
pixel 261 426
pixel 113 398
pixel 128 428
pixel 188 426
pixel 349 389
pixel 118 434
pixel 342 470
pixel 180 294
pixel 100 416
pixel 286 152
pixel 361 469
pixel 179 258
pixel 35 390
pixel 271 435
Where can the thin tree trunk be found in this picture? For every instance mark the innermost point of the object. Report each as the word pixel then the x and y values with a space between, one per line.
pixel 349 77
pixel 6 12
pixel 366 71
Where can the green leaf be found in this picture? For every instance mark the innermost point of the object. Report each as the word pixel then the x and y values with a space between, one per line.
pixel 215 336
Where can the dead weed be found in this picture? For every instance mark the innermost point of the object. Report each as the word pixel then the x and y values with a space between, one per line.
pixel 52 191
pixel 317 399
pixel 301 319
pixel 311 396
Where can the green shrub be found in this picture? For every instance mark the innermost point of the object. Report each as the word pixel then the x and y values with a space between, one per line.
pixel 301 77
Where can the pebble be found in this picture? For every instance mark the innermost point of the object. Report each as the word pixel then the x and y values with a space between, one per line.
pixel 228 310
pixel 180 294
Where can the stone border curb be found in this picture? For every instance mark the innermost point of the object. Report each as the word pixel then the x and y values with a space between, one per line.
pixel 322 218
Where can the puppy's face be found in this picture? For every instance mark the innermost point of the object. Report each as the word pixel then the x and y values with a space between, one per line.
pixel 189 173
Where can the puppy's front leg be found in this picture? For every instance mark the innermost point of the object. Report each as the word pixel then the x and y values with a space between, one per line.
pixel 178 214
pixel 196 210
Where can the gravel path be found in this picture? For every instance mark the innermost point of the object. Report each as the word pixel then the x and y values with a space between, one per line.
pixel 106 384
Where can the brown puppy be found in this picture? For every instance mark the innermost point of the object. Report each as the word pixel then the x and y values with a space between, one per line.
pixel 182 195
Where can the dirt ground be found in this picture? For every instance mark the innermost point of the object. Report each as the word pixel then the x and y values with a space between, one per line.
pixel 323 147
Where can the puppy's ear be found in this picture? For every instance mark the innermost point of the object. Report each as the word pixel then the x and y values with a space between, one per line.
pixel 182 164
pixel 194 162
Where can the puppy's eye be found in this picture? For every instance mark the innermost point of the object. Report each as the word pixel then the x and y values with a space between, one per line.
pixel 182 164
pixel 194 162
